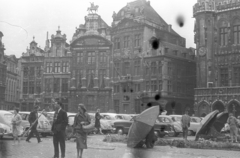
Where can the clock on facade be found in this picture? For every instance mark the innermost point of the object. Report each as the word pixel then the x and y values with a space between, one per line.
pixel 202 51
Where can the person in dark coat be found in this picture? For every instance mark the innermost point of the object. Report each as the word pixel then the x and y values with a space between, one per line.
pixel 60 122
pixel 98 117
pixel 82 118
pixel 33 123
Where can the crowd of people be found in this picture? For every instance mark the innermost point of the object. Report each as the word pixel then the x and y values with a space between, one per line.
pixel 81 122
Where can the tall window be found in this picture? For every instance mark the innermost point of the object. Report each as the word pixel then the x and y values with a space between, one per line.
pixel 116 70
pixel 224 76
pixel 160 67
pixel 91 57
pixel 65 66
pixel 32 71
pixel 48 84
pixel 116 89
pixel 236 76
pixel 80 57
pixel 126 41
pixel 102 74
pixel 90 75
pixel 137 68
pixel 117 43
pixel 169 68
pixel 154 86
pixel 154 68
pixel 223 36
pixel 57 67
pixel 169 86
pixel 137 87
pixel 25 71
pixel 137 40
pixel 126 68
pixel 160 85
pixel 56 85
pixel 147 85
pixel 25 87
pixel 38 87
pixel 49 67
pixel 39 73
pixel 31 87
pixel 236 33
pixel 102 57
pixel 64 85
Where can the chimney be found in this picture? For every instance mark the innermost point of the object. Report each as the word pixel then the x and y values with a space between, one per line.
pixel 169 28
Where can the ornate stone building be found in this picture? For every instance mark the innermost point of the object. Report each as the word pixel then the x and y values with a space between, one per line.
pixel 91 49
pixel 12 88
pixel 32 68
pixel 140 72
pixel 56 76
pixel 217 38
pixel 3 71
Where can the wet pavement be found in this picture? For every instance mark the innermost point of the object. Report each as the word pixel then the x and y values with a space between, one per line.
pixel 99 149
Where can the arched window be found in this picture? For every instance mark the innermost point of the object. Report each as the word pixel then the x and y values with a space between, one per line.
pixel 236 32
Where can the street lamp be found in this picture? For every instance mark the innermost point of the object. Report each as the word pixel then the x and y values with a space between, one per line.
pixel 234 109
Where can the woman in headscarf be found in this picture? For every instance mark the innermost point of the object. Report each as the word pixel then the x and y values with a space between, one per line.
pixel 16 126
pixel 82 118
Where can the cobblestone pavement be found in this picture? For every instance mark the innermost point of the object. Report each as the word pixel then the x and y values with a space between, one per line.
pixel 99 149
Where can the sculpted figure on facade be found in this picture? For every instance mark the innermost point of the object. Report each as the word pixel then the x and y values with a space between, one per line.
pixel 114 15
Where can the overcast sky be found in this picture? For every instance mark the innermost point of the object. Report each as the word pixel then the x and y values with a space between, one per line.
pixel 39 16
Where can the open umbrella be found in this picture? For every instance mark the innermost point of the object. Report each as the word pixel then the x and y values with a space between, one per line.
pixel 206 124
pixel 221 119
pixel 142 125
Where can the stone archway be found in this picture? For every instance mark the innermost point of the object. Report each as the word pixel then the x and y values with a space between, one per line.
pixel 218 105
pixel 203 109
pixel 234 105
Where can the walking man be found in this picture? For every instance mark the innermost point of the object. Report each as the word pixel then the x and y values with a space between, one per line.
pixel 233 123
pixel 185 124
pixel 98 117
pixel 58 128
pixel 33 120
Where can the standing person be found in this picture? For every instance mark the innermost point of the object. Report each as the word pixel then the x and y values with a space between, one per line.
pixel 185 121
pixel 33 117
pixel 98 117
pixel 16 126
pixel 82 118
pixel 60 122
pixel 233 123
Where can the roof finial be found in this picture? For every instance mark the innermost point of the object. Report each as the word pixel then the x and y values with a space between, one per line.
pixel 33 38
pixel 58 28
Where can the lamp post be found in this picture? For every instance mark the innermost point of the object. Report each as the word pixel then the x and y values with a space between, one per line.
pixel 234 109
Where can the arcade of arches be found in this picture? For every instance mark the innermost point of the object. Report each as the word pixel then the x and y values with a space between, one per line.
pixel 204 108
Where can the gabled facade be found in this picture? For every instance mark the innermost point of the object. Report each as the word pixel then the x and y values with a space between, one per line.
pixel 141 72
pixel 32 68
pixel 91 49
pixel 56 76
pixel 3 74
pixel 217 38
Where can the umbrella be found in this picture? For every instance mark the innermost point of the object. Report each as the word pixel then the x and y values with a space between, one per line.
pixel 142 125
pixel 221 119
pixel 206 123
